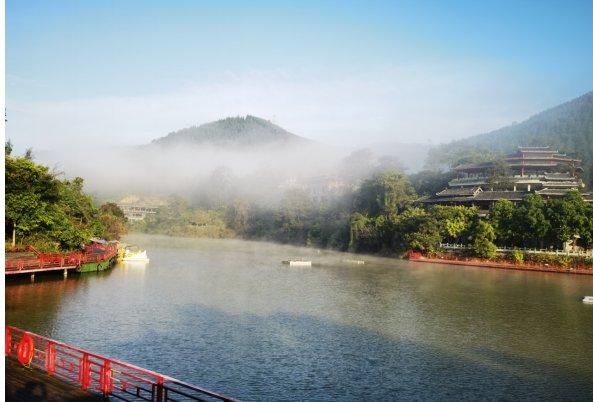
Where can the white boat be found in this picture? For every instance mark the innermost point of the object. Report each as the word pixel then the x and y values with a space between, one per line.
pixel 297 263
pixel 135 256
pixel 588 299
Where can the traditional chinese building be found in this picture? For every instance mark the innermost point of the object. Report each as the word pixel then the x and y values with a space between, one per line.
pixel 539 170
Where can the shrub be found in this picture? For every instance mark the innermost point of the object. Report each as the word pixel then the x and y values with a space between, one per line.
pixel 517 256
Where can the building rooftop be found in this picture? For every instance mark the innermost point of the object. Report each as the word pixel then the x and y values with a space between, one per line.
pixel 454 192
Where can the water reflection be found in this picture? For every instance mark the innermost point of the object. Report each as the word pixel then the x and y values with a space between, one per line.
pixel 229 315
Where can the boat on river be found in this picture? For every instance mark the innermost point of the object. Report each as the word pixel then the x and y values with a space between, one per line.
pixel 297 263
pixel 588 299
pixel 135 256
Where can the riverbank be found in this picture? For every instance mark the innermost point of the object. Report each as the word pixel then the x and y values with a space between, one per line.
pixel 478 262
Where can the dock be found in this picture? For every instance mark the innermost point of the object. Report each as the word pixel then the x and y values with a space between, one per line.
pixel 32 385
pixel 94 257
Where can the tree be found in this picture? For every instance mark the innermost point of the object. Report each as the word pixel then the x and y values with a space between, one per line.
pixel 29 154
pixel 364 235
pixel 568 218
pixel 46 212
pixel 293 218
pixel 389 163
pixel 30 193
pixel 357 166
pixel 113 220
pixel 429 182
pixel 482 239
pixel 503 217
pixel 421 230
pixel 385 193
pixel 454 221
pixel 531 220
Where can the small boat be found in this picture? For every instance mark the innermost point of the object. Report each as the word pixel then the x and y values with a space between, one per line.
pixel 588 299
pixel 355 262
pixel 135 256
pixel 297 263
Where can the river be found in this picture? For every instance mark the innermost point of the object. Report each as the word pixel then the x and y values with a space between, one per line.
pixel 227 315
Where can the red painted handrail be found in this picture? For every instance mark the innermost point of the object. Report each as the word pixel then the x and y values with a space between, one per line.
pixel 102 375
pixel 42 261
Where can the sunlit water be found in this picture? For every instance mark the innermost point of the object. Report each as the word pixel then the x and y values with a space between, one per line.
pixel 229 316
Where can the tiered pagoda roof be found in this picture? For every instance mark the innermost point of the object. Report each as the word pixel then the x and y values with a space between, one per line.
pixel 539 170
pixel 528 157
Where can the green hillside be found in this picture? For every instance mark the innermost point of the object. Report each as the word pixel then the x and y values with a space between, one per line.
pixel 232 131
pixel 568 127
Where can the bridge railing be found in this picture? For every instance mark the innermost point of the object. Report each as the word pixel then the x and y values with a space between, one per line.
pixel 102 375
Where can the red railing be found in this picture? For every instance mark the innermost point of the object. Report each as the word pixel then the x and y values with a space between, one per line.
pixel 104 376
pixel 50 261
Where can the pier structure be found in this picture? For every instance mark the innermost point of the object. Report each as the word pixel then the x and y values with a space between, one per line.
pixel 33 262
pixel 50 361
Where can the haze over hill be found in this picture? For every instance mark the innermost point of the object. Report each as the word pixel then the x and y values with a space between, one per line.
pixel 567 127
pixel 247 155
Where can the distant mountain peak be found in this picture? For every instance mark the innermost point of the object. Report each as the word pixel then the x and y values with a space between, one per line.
pixel 231 131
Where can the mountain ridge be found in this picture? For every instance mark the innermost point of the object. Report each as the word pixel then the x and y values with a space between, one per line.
pixel 567 127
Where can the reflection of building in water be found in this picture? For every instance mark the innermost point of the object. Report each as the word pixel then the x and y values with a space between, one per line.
pixel 539 170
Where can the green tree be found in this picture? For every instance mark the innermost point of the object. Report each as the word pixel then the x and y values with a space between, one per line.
pixel 44 211
pixel 454 221
pixel 531 220
pixel 113 220
pixel 569 217
pixel 385 193
pixel 482 239
pixel 364 236
pixel 503 217
pixel 31 191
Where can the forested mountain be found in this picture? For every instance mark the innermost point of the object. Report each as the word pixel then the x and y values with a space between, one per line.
pixel 568 127
pixel 232 131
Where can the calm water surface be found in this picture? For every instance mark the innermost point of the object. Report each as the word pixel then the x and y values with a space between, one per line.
pixel 229 316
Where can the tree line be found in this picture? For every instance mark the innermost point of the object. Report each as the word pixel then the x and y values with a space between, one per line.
pixel 381 216
pixel 52 214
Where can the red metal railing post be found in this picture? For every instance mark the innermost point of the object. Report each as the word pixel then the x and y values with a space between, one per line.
pixel 106 384
pixel 7 340
pixel 50 358
pixel 159 397
pixel 85 372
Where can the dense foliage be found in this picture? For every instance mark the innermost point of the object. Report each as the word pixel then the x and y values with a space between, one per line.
pixel 380 216
pixel 49 213
pixel 178 219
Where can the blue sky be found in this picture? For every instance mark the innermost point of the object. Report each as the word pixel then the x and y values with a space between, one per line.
pixel 89 72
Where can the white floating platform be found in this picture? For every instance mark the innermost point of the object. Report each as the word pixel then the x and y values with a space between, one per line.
pixel 297 263
pixel 356 262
